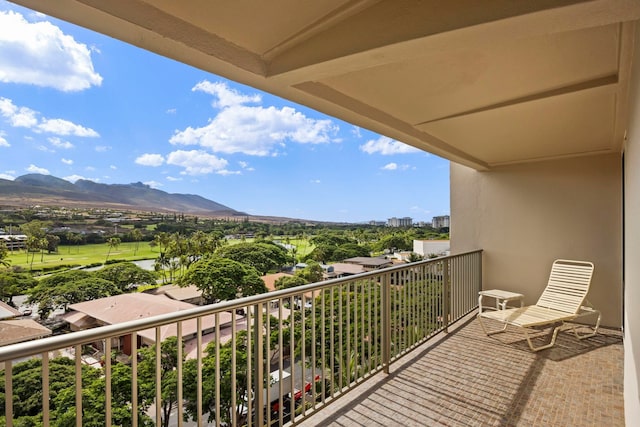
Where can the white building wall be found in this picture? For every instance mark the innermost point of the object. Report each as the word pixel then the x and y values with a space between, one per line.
pixel 632 251
pixel 428 247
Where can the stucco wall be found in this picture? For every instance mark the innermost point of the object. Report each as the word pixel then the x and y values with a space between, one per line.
pixel 525 216
pixel 632 251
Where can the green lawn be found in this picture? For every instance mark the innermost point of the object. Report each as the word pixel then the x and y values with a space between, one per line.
pixel 83 255
pixel 79 255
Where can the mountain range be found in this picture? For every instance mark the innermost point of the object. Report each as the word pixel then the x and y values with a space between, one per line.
pixel 47 190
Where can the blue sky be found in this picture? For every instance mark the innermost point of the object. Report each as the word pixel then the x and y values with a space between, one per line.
pixel 77 104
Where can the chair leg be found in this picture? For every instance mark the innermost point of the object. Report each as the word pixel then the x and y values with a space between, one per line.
pixel 556 329
pixel 594 328
pixel 489 333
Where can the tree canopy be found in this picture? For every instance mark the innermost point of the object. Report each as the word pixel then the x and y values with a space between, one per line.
pixel 223 279
pixel 285 282
pixel 263 256
pixel 60 290
pixel 312 273
pixel 13 284
pixel 126 275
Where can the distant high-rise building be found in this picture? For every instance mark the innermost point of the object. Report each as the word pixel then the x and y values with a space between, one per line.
pixel 441 221
pixel 400 222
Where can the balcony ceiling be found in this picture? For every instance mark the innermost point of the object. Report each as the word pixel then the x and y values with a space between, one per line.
pixel 482 83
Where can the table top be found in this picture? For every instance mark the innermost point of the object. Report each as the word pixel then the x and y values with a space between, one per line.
pixel 498 293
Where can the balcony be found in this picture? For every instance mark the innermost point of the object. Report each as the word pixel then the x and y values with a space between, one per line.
pixel 465 378
pixel 414 322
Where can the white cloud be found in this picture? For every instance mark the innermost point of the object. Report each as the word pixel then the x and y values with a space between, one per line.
pixel 253 130
pixel 17 116
pixel 35 169
pixel 196 162
pixel 394 166
pixel 114 167
pixel 153 184
pixel 67 161
pixel 90 168
pixel 227 97
pixel 7 176
pixel 40 54
pixel 315 181
pixel 150 160
pixel 65 127
pixel 102 148
pixel 28 118
pixel 74 178
pixel 226 172
pixel 3 141
pixel 387 146
pixel 171 111
pixel 245 166
pixel 173 179
pixel 59 143
pixel 355 131
pixel 45 149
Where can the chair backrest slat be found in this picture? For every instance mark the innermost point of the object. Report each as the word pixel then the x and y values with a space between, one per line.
pixel 568 285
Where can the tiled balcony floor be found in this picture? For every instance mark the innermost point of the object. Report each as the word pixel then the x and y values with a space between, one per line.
pixel 468 379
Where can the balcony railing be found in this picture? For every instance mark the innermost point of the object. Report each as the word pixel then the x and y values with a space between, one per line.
pixel 270 358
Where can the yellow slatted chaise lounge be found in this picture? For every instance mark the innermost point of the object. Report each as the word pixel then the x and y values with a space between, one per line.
pixel 563 300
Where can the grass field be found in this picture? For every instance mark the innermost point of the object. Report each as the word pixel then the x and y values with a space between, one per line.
pixel 79 255
pixel 83 255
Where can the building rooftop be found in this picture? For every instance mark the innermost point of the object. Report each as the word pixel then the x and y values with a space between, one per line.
pixel 125 307
pixel 19 330
pixel 368 261
pixel 7 312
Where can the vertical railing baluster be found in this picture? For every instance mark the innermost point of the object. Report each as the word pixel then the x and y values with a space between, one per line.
pixel 340 341
pixel 332 342
pixel 446 299
pixel 292 358
pixel 199 373
pixel 45 389
pixel 323 340
pixel 234 368
pixel 78 372
pixel 347 332
pixel 158 362
pixel 369 335
pixel 280 362
pixel 107 383
pixel 134 379
pixel 385 316
pixel 259 363
pixel 8 392
pixel 362 330
pixel 250 390
pixel 303 353
pixel 217 369
pixel 314 361
pixel 267 353
pixel 179 374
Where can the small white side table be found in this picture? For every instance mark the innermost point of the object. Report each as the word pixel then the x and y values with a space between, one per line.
pixel 502 299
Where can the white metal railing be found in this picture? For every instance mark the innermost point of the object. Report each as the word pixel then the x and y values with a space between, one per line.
pixel 271 358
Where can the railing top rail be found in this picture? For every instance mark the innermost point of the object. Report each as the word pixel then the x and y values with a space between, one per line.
pixel 25 349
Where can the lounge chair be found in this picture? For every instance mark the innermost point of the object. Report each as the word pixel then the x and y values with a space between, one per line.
pixel 563 300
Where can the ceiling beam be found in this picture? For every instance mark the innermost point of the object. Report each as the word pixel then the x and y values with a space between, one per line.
pixel 343 48
pixel 607 81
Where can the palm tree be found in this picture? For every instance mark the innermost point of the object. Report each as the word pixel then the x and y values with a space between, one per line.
pixel 113 243
pixel 137 236
pixel 4 261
